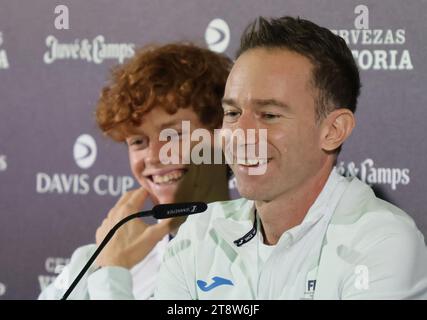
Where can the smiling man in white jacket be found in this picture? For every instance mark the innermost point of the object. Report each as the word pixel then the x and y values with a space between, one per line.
pixel 301 231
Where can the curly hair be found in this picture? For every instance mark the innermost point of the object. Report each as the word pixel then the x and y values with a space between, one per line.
pixel 172 76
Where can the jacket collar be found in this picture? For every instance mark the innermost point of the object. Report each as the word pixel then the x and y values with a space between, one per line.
pixel 238 223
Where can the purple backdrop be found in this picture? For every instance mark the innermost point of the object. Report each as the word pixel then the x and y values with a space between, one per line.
pixel 59 175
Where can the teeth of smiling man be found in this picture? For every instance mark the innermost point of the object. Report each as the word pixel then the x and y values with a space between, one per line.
pixel 251 162
pixel 172 176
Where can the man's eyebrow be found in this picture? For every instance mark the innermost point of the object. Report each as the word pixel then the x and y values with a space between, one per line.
pixel 172 123
pixel 270 102
pixel 229 102
pixel 258 103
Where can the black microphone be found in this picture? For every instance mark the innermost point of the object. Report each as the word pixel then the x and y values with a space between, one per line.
pixel 161 211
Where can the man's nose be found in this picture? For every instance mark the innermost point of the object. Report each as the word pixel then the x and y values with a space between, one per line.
pixel 248 123
pixel 153 152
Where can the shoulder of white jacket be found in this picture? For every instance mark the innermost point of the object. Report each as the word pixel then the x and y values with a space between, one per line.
pixel 364 215
pixel 84 252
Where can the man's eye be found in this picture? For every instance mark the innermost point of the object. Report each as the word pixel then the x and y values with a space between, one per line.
pixel 176 136
pixel 231 115
pixel 270 116
pixel 137 143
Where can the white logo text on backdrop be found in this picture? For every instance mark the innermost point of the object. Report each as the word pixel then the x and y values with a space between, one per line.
pixel 4 63
pixel 371 174
pixel 2 289
pixel 96 50
pixel 3 162
pixel 217 35
pixel 84 154
pixel 53 266
pixel 376 49
pixel 85 151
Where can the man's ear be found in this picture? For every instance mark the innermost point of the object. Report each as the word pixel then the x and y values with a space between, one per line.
pixel 336 128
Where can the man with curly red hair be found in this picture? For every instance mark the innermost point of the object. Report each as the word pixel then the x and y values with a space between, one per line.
pixel 159 88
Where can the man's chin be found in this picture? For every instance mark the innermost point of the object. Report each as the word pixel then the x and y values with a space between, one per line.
pixel 249 196
pixel 250 192
pixel 164 199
